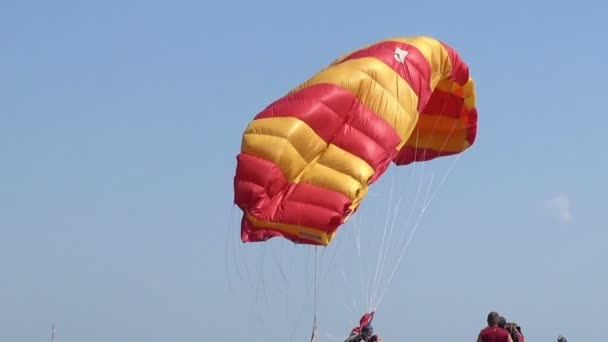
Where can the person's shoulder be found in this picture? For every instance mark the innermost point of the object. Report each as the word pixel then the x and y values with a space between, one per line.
pixel 504 331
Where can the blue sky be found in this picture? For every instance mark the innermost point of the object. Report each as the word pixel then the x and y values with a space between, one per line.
pixel 119 126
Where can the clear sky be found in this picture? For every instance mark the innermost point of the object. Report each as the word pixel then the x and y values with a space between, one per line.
pixel 119 126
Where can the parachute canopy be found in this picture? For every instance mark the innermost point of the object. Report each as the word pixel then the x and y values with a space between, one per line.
pixel 308 159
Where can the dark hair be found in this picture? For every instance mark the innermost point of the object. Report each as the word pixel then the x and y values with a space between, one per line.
pixel 502 322
pixel 493 318
pixel 374 338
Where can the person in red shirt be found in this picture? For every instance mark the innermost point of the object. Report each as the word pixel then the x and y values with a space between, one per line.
pixel 494 333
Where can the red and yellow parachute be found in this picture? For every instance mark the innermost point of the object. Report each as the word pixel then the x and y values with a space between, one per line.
pixel 308 159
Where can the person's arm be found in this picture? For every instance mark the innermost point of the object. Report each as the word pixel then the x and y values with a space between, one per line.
pixel 509 339
pixel 479 337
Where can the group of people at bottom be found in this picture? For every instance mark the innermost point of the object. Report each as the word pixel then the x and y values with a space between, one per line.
pixel 498 330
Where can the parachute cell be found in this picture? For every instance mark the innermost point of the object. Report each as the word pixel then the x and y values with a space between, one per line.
pixel 308 159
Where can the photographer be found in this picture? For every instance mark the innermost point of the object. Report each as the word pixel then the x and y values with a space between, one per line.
pixel 515 332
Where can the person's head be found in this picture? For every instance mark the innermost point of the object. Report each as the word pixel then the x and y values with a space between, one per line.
pixel 502 322
pixel 367 330
pixel 493 319
pixel 375 338
pixel 561 338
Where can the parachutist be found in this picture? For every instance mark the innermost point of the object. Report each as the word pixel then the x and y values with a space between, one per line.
pixel 364 332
